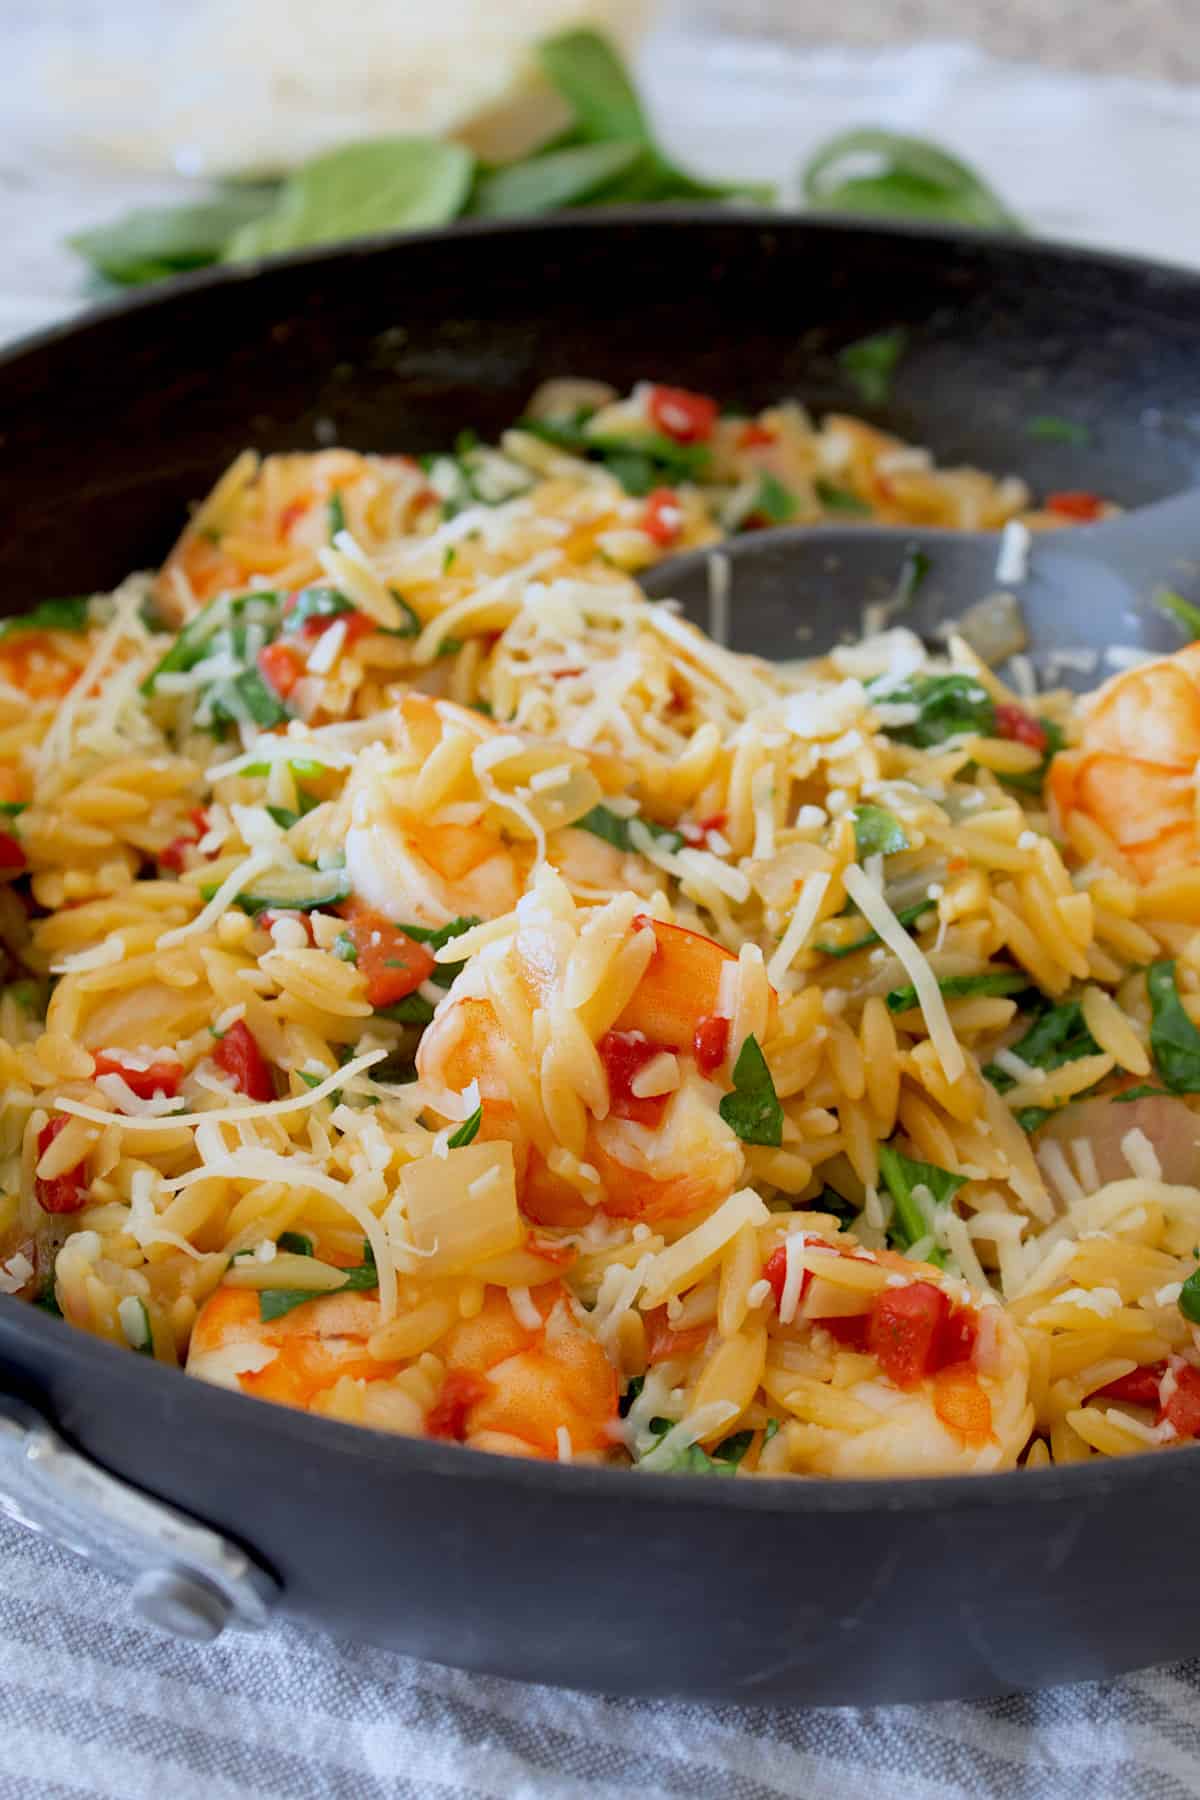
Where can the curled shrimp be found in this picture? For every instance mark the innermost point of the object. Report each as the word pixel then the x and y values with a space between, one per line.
pixel 497 1381
pixel 1134 769
pixel 650 1142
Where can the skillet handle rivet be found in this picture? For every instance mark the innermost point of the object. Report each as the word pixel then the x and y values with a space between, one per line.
pixel 180 1605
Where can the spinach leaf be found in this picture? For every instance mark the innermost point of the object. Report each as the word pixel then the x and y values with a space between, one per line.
pixel 910 177
pixel 948 706
pixel 467 1132
pixel 753 1109
pixel 1189 1298
pixel 1174 1040
pixel 1182 611
pixel 877 832
pixel 51 615
pixel 1051 429
pixel 1058 1035
pixel 610 826
pixel 1000 981
pixel 436 937
pixel 773 502
pixel 335 513
pixel 910 1220
pixel 871 363
pixel 378 184
pixel 414 1009
pixel 691 1459
pixel 156 242
pixel 273 1303
pixel 562 178
pixel 836 1205
pixel 295 1243
pixel 839 499
pixel 241 697
pixel 231 614
pixel 908 915
pixel 565 433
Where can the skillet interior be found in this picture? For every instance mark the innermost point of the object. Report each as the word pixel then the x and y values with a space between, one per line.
pixel 772 1591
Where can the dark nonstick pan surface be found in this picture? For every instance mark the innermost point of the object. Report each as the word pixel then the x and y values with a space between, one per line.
pixel 809 1592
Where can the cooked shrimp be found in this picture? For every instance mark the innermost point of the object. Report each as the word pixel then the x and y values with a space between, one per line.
pixel 1134 771
pixel 652 1143
pixel 496 1381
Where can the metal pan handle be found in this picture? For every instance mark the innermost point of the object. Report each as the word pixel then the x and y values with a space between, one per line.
pixel 184 1578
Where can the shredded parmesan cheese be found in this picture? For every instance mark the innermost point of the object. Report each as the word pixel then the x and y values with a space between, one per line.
pixel 879 915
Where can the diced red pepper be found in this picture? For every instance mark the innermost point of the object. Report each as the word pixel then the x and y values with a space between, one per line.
pixel 65 1193
pixel 461 1390
pixel 292 515
pixel 663 516
pixel 242 1060
pixel 1076 505
pixel 751 436
pixel 623 1054
pixel 12 856
pixel 1138 1388
pixel 955 1341
pixel 904 1328
pixel 1183 1406
pixel 687 417
pixel 394 966
pixel 710 1044
pixel 851 1330
pixel 1014 723
pixel 158 1078
pixel 281 665
pixel 775 1271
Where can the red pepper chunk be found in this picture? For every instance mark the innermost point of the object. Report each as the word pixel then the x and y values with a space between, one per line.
pixel 904 1328
pixel 1182 1408
pixel 678 413
pixel 158 1078
pixel 394 965
pixel 1015 724
pixel 710 1044
pixel 12 857
pixel 1138 1388
pixel 754 435
pixel 461 1390
pixel 775 1272
pixel 65 1193
pixel 281 666
pixel 623 1054
pixel 242 1060
pixel 1084 507
pixel 663 516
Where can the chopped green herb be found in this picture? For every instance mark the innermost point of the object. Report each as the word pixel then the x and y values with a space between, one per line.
pixel 317 602
pixel 295 1243
pixel 414 1009
pixel 773 501
pixel 630 1395
pixel 336 514
pixel 1174 1040
pixel 437 936
pixel 1054 430
pixel 871 363
pixel 912 1218
pixel 51 615
pixel 344 947
pixel 999 981
pixel 1189 1298
pixel 448 556
pixel 273 1303
pixel 1184 612
pixel 603 823
pixel 11 808
pixel 1146 1091
pixel 467 1132
pixel 877 832
pixel 753 1109
pixel 411 626
pixel 284 817
pixel 947 705
pixel 246 697
pixel 1058 1035
pixel 907 916
pixel 839 499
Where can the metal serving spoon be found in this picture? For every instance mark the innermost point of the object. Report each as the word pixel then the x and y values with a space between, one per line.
pixel 797 591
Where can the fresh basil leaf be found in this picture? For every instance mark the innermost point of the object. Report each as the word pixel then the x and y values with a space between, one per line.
pixel 753 1109
pixel 871 363
pixel 1058 1035
pixel 295 1243
pixel 1000 981
pixel 1030 1118
pixel 592 80
pixel 877 832
pixel 1174 1040
pixel 610 826
pixel 1184 612
pixel 773 501
pixel 909 177
pixel 13 808
pixel 284 817
pixel 274 1303
pixel 910 1221
pixel 839 499
pixel 1053 430
pixel 542 183
pixel 51 615
pixel 467 1132
pixel 1189 1298
pixel 732 1449
pixel 156 242
pixel 908 915
pixel 913 570
pixel 948 706
pixel 226 612
pixel 375 185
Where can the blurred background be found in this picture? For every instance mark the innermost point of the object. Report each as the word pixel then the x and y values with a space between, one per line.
pixel 1083 115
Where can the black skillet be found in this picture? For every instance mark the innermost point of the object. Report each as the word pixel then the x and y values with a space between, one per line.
pixel 756 1591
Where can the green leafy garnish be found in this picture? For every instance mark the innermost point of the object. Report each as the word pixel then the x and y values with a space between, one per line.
pixel 319 601
pixel 911 1220
pixel 467 1132
pixel 559 178
pixel 909 177
pixel 603 823
pixel 907 915
pixel 948 706
pixel 1174 1040
pixel 437 936
pixel 1145 1091
pixel 273 1303
pixel 1053 430
pixel 753 1109
pixel 1184 612
pixel 877 832
pixel 414 1009
pixel 336 514
pixel 225 623
pixel 155 242
pixel 870 363
pixel 1058 1035
pixel 1189 1298
pixel 1000 981
pixel 839 499
pixel 12 808
pixel 836 1205
pixel 773 502
pixel 295 1243
pixel 245 696
pixel 51 615
pixel 344 947
pixel 690 1459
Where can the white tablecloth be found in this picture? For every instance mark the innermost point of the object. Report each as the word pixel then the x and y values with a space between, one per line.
pixel 91 1705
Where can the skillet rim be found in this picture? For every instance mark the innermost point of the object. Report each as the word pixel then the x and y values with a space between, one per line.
pixel 391 1453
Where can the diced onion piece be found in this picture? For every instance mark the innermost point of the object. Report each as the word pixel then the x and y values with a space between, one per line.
pixel 462 1207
